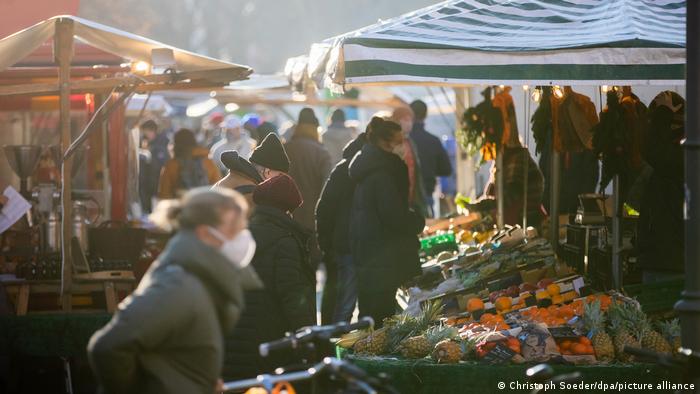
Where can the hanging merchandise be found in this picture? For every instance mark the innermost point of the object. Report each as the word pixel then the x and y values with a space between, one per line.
pixel 575 117
pixel 542 119
pixel 482 128
pixel 504 102
pixel 617 138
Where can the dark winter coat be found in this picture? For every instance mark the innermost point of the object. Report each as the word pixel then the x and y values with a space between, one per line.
pixel 660 230
pixel 382 228
pixel 309 165
pixel 433 158
pixel 168 336
pixel 335 204
pixel 287 301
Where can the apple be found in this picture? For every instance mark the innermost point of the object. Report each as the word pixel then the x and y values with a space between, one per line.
pixel 513 291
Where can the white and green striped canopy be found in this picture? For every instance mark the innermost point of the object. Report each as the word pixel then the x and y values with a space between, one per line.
pixel 578 42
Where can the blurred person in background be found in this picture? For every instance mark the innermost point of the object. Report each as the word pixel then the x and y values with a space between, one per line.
pixel 157 142
pixel 416 191
pixel 433 158
pixel 235 138
pixel 264 129
pixel 190 168
pixel 337 136
pixel 168 335
pixel 383 227
pixel 333 231
pixel 288 300
pixel 310 166
pixel 251 122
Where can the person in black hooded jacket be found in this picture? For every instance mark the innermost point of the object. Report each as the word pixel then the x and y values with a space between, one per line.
pixel 333 227
pixel 383 230
pixel 288 300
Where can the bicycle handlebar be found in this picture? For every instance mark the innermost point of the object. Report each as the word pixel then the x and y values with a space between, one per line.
pixel 310 333
pixel 334 366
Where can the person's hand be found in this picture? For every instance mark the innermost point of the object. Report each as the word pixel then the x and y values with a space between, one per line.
pixel 3 200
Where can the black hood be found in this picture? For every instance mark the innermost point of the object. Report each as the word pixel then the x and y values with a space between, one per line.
pixel 354 146
pixel 371 159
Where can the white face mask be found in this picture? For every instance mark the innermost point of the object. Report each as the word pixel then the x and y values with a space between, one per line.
pixel 239 250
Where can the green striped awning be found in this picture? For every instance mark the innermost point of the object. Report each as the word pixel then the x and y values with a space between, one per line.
pixel 513 42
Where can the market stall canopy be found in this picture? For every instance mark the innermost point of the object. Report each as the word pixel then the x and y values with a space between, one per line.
pixel 172 65
pixel 465 42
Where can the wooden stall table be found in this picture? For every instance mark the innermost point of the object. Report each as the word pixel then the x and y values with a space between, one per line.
pixel 21 290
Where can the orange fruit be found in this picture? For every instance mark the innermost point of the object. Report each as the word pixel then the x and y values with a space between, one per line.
pixel 578 348
pixel 557 299
pixel 553 289
pixel 503 303
pixel 513 341
pixel 487 317
pixel 565 344
pixel 590 350
pixel 474 304
pixel 585 341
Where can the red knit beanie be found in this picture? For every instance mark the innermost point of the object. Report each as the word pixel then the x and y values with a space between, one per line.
pixel 280 192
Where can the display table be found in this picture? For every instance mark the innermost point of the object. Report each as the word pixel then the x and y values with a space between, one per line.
pixel 425 377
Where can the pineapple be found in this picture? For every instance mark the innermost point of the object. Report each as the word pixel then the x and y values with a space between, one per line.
pixel 671 330
pixel 447 351
pixel 625 326
pixel 594 322
pixel 421 345
pixel 378 342
pixel 652 340
pixel 404 326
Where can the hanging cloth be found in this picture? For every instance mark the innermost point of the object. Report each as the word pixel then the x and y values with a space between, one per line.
pixel 576 116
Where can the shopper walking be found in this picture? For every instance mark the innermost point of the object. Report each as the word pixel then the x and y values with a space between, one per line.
pixel 168 336
pixel 337 136
pixel 189 168
pixel 433 158
pixel 310 166
pixel 416 191
pixel 383 229
pixel 287 302
pixel 333 229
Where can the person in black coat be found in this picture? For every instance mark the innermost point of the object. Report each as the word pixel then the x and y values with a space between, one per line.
pixel 434 161
pixel 288 300
pixel 333 228
pixel 383 230
pixel 660 229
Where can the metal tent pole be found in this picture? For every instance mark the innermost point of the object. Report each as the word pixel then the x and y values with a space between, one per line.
pixel 63 53
pixel 689 305
pixel 616 234
pixel 499 189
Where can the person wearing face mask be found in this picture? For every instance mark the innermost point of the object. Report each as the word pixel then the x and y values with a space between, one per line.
pixel 168 335
pixel 416 191
pixel 383 228
pixel 270 158
pixel 288 301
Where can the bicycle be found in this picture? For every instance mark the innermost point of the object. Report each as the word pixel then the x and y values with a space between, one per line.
pixel 685 360
pixel 331 374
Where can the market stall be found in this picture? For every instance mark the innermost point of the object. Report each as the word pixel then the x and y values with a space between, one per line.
pixel 466 43
pixel 58 247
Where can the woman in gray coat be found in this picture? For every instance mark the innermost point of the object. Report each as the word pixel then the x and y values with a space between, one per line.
pixel 167 337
